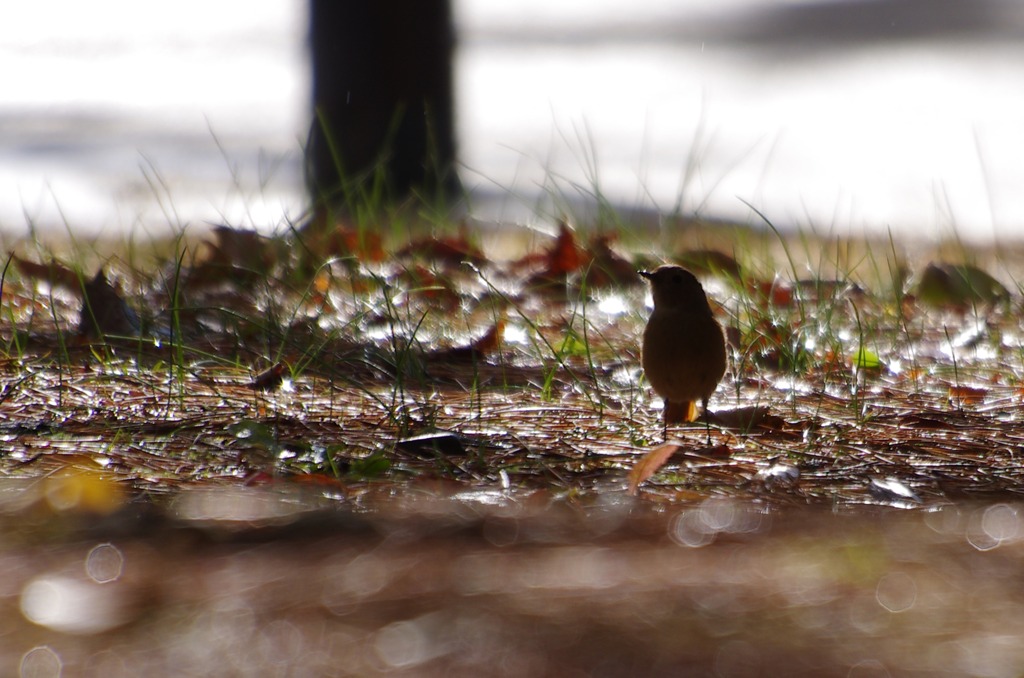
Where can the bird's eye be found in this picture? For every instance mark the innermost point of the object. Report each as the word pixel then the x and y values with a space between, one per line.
pixel 677 279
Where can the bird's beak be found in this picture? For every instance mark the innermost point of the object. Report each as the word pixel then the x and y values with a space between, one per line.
pixel 645 274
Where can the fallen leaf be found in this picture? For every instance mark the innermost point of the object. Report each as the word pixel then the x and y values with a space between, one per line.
pixel 747 418
pixel 270 379
pixel 437 443
pixel 649 464
pixel 778 474
pixel 104 312
pixel 420 281
pixel 776 292
pixel 243 248
pixel 557 263
pixel 322 282
pixel 892 490
pixel 966 395
pixel 714 452
pixel 365 244
pixel 54 273
pixel 915 420
pixel 214 274
pixel 817 289
pixel 565 257
pixel 316 480
pixel 489 343
pixel 607 267
pixel 373 466
pixel 866 359
pixel 450 250
pixel 957 286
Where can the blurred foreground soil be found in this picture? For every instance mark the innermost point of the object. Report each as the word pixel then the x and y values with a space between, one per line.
pixel 259 582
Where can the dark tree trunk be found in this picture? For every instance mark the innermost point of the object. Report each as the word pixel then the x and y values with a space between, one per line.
pixel 382 91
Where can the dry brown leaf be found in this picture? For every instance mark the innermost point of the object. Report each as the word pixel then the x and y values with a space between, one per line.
pixel 104 312
pixel 450 250
pixel 767 339
pixel 715 452
pixel 957 286
pixel 607 267
pixel 243 248
pixel 270 379
pixel 316 480
pixel 343 241
pixel 490 342
pixel 424 283
pixel 816 288
pixel 966 395
pixel 322 282
pixel 649 464
pixel 213 273
pixel 565 257
pixel 433 444
pixel 54 273
pixel 916 420
pixel 529 262
pixel 318 291
pixel 775 292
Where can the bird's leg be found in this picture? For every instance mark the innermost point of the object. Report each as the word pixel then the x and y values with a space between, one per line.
pixel 707 418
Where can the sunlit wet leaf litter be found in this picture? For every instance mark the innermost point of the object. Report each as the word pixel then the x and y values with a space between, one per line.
pixel 404 453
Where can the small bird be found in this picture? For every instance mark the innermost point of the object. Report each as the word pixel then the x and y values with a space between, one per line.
pixel 684 348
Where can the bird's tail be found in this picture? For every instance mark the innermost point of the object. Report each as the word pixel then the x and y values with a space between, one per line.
pixel 680 411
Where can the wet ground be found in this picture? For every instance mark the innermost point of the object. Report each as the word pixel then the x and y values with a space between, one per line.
pixel 264 582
